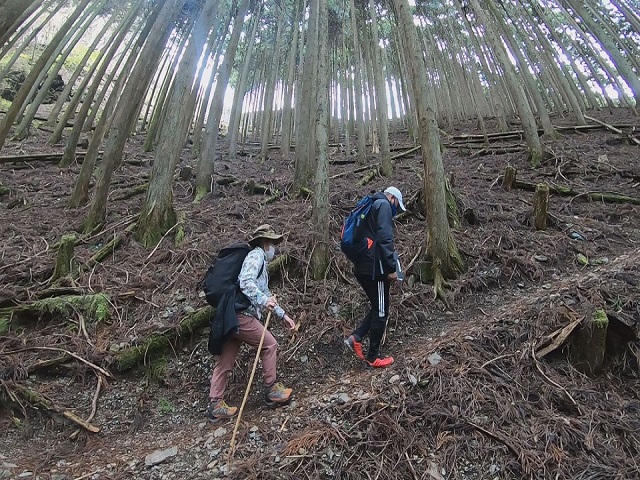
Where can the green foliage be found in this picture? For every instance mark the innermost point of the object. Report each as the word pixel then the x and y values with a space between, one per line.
pixel 4 325
pixel 156 369
pixel 600 319
pixel 165 407
pixel 75 57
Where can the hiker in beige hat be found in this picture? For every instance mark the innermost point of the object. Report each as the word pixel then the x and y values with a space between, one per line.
pixel 254 284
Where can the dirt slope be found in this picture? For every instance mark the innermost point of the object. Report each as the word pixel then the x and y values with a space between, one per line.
pixel 466 397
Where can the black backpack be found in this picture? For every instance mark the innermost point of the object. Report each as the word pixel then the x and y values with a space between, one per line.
pixel 223 274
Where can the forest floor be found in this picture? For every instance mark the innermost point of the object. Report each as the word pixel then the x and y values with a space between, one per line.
pixel 468 397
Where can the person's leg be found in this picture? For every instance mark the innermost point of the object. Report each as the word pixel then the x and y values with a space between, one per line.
pixel 379 320
pixel 250 331
pixel 218 408
pixel 225 363
pixel 371 291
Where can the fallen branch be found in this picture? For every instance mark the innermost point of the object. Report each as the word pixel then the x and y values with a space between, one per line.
pixel 610 197
pixel 405 153
pixel 496 436
pixel 138 190
pixel 357 170
pixel 252 187
pixel 37 400
pixel 109 248
pixel 66 352
pixel 368 177
pixel 128 358
pixel 613 129
pixel 95 306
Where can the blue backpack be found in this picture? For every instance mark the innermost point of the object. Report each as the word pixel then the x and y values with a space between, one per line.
pixel 350 241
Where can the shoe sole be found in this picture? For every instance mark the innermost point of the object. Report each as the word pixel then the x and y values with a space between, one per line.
pixel 272 404
pixel 219 419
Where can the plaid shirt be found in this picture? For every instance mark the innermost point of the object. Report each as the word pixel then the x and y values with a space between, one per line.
pixel 256 288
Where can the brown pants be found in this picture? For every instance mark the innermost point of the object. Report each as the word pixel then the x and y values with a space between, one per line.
pixel 249 331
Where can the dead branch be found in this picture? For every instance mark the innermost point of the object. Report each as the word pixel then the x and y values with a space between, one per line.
pixel 109 248
pixel 610 197
pixel 613 129
pixel 408 152
pixel 37 400
pixel 356 170
pixel 368 177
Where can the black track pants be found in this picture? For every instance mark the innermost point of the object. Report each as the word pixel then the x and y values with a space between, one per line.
pixel 374 322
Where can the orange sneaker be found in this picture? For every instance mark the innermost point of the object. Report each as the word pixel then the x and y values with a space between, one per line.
pixel 219 410
pixel 380 362
pixel 278 395
pixel 355 346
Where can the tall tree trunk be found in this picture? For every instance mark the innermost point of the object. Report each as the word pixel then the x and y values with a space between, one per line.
pixel 287 111
pixel 160 100
pixel 8 40
pixel 23 94
pixel 241 90
pixel 21 131
pixel 205 100
pixel 320 254
pixel 386 168
pixel 622 65
pixel 79 195
pixel 10 12
pixel 513 84
pixel 302 171
pixel 125 114
pixel 523 67
pixel 158 215
pixel 66 93
pixel 359 107
pixel 443 253
pixel 267 109
pixel 210 141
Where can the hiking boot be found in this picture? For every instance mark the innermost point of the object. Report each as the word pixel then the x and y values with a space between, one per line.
pixel 379 362
pixel 355 346
pixel 219 410
pixel 277 395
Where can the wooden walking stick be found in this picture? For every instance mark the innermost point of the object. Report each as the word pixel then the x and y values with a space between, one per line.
pixel 232 447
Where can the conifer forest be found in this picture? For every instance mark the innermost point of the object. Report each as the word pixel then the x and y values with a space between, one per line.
pixel 140 137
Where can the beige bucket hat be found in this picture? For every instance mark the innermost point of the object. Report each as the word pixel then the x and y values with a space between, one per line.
pixel 265 231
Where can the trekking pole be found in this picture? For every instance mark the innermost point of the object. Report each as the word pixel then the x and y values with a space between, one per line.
pixel 232 447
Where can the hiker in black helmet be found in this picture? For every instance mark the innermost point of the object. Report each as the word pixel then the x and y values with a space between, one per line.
pixel 375 267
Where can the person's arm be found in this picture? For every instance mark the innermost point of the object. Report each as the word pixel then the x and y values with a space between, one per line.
pixel 384 237
pixel 248 277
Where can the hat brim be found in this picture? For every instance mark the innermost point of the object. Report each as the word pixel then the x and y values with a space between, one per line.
pixel 401 205
pixel 267 236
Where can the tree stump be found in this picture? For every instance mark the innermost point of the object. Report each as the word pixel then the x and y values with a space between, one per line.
pixel 540 206
pixel 65 261
pixel 590 342
pixel 509 181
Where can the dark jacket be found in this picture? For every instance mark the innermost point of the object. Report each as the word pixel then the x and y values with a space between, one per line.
pixel 377 259
pixel 225 319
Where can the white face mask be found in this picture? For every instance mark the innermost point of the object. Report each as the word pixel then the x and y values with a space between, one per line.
pixel 270 253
